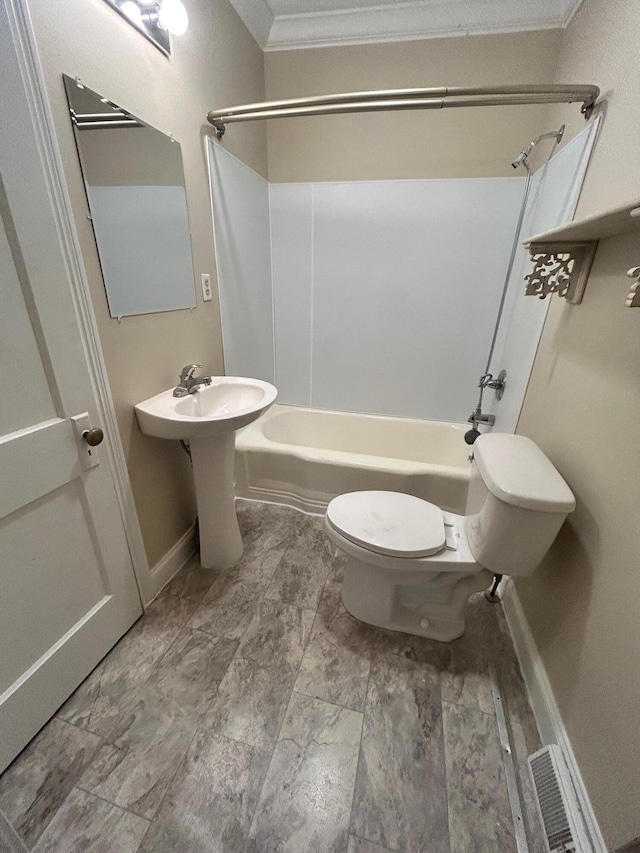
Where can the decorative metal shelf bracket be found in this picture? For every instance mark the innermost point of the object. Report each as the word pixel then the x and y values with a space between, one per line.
pixel 561 268
pixel 633 299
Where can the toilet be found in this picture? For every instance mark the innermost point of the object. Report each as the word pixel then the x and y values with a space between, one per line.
pixel 411 566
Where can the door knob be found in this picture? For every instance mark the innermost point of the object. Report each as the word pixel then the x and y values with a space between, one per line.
pixel 93 436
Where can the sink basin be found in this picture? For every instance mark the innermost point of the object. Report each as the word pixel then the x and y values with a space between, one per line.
pixel 208 420
pixel 230 402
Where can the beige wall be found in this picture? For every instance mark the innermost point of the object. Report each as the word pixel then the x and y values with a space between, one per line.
pixel 583 408
pixel 426 144
pixel 215 63
pixel 601 46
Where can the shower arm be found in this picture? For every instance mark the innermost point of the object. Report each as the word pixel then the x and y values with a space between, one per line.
pixel 523 156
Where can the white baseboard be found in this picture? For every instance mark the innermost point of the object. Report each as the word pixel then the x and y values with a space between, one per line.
pixel 172 562
pixel 545 709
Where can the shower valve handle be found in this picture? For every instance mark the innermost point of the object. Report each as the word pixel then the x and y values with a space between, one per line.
pixel 497 384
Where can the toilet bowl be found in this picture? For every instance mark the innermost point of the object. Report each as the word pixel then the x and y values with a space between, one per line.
pixel 411 567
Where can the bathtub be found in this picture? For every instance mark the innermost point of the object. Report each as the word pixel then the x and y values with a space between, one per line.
pixel 305 457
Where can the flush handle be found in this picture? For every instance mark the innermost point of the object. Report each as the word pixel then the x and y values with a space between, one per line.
pixel 93 436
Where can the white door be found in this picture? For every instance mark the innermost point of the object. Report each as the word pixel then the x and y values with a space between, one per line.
pixel 67 588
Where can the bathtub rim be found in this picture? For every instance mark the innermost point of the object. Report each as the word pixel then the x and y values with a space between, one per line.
pixel 251 439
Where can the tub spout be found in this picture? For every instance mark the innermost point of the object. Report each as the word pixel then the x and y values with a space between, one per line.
pixel 480 418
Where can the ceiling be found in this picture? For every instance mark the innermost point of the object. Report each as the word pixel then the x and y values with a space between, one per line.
pixel 291 24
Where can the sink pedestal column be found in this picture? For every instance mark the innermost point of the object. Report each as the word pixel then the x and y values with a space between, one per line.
pixel 220 539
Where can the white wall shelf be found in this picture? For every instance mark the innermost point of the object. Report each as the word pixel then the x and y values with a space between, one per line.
pixel 563 256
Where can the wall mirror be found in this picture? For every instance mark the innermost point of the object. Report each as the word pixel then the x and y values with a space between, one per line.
pixel 135 191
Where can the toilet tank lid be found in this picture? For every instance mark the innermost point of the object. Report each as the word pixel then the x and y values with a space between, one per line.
pixel 517 472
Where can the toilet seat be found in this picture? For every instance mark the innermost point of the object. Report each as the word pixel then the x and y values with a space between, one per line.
pixel 389 523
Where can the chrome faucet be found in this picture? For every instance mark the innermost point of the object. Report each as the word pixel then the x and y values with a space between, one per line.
pixel 478 417
pixel 189 383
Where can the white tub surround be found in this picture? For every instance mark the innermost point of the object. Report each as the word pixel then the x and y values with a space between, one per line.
pixel 305 457
pixel 373 296
pixel 382 296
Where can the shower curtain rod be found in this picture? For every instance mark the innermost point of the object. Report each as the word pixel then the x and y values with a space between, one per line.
pixel 407 99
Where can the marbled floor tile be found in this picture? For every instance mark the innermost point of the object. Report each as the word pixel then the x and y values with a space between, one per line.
pixel 141 755
pixel 333 615
pixel 400 799
pixel 467 682
pixel 97 702
pixel 359 845
pixel 301 574
pixel 191 668
pixel 86 823
pixel 464 663
pixel 465 669
pixel 418 649
pixel 35 785
pixel 251 701
pixel 277 635
pixel 306 797
pixel 154 692
pixel 192 581
pixel 265 527
pixel 335 665
pixel 257 567
pixel 307 540
pixel 228 607
pixel 479 812
pixel 212 798
pixel 298 581
pixel 253 695
pixel 10 841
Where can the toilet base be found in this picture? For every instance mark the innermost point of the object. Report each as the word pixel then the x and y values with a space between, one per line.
pixel 427 605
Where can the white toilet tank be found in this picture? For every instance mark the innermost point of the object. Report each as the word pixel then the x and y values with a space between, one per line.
pixel 516 505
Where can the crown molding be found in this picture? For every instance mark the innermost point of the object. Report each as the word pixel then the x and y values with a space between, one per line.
pixel 408 21
pixel 572 8
pixel 257 18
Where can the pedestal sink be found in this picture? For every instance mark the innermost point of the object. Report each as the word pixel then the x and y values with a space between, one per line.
pixel 208 420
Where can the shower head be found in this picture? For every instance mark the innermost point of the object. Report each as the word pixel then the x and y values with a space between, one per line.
pixel 523 157
pixel 520 159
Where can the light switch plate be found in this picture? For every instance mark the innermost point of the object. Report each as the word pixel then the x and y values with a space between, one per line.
pixel 205 280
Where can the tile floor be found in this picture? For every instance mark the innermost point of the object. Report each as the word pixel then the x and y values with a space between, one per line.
pixel 247 711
